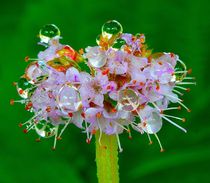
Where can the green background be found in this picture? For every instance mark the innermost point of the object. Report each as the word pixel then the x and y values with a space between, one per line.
pixel 181 26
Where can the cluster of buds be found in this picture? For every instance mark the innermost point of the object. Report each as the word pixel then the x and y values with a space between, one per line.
pixel 110 88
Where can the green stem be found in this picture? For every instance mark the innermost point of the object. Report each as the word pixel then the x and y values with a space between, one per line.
pixel 107 158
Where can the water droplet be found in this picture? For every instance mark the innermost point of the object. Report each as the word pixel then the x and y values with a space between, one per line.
pixel 23 87
pixel 45 129
pixel 98 39
pixel 111 27
pixel 35 73
pixel 68 99
pixel 48 32
pixel 119 43
pixel 153 123
pixel 181 70
pixel 128 99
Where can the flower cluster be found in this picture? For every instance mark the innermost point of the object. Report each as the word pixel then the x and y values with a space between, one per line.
pixel 112 87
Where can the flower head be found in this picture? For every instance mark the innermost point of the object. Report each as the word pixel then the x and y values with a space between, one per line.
pixel 126 86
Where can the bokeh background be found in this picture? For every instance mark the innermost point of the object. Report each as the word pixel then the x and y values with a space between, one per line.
pixel 182 27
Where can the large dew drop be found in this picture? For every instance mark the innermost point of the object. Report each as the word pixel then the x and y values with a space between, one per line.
pixel 153 123
pixel 111 27
pixel 128 99
pixel 48 32
pixel 68 99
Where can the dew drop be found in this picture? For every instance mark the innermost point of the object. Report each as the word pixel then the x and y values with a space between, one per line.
pixel 45 129
pixel 128 99
pixel 23 87
pixel 69 99
pixel 119 43
pixel 111 27
pixel 48 32
pixel 153 123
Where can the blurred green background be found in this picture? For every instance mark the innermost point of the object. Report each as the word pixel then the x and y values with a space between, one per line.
pixel 182 27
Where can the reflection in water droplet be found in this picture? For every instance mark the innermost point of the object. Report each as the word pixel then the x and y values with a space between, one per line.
pixel 129 99
pixel 48 32
pixel 180 70
pixel 23 87
pixel 45 129
pixel 111 27
pixel 69 99
pixel 153 123
pixel 119 43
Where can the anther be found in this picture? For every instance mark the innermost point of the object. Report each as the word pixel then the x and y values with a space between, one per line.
pixel 12 101
pixel 25 131
pixel 70 114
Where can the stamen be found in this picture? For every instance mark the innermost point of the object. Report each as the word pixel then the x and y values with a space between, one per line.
pixel 189 78
pixel 55 138
pixel 121 126
pixel 172 108
pixel 178 92
pixel 188 110
pixel 150 141
pixel 118 142
pixel 180 87
pixel 161 147
pixel 186 83
pixel 129 133
pixel 100 131
pixel 156 106
pixel 63 129
pixel 27 58
pixel 181 119
pixel 87 132
pixel 174 123
pixel 12 101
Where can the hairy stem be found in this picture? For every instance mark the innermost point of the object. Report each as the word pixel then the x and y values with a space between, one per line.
pixel 107 158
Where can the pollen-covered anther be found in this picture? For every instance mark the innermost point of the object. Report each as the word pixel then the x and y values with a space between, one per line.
pixel 20 125
pixel 141 84
pixel 189 71
pixel 93 132
pixel 88 141
pixel 48 109
pixel 70 114
pixel 134 81
pixel 98 115
pixel 108 87
pixel 14 84
pixel 81 51
pixel 187 89
pixel 179 107
pixel 105 72
pixel 25 131
pixel 59 138
pixel 162 150
pixel 38 140
pixel 12 101
pixel 53 148
pixel 183 120
pixel 150 142
pixel 21 91
pixel 26 58
pixel 83 114
pixel 28 106
pixel 113 110
pixel 189 110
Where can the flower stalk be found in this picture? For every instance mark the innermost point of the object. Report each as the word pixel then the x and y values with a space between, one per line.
pixel 107 158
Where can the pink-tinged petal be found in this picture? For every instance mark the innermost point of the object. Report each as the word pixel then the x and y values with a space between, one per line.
pixel 98 100
pixel 77 119
pixel 72 75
